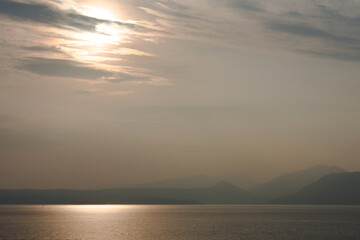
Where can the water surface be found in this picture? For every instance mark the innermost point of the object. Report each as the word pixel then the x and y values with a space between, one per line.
pixel 138 222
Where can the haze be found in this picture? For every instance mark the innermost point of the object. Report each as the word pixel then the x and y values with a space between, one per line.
pixel 125 92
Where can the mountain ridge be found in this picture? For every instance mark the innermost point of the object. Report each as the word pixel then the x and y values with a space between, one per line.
pixel 200 181
pixel 292 182
pixel 337 189
pixel 222 193
pixel 339 186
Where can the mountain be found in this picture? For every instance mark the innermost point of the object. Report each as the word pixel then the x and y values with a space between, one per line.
pixel 334 189
pixel 227 193
pixel 200 181
pixel 106 196
pixel 220 193
pixel 225 186
pixel 240 180
pixel 197 181
pixel 292 182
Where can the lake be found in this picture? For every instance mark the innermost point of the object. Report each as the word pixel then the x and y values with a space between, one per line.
pixel 173 222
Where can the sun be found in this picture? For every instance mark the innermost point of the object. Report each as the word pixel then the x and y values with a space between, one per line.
pixel 96 39
pixel 96 46
pixel 106 33
pixel 97 12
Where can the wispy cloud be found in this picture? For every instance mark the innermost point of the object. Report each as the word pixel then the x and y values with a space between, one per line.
pixel 62 40
pixel 308 31
pixel 330 27
pixel 42 48
pixel 77 70
pixel 48 14
pixel 62 68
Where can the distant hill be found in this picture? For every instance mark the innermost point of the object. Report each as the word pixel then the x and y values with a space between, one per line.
pixel 196 181
pixel 292 182
pixel 334 189
pixel 241 180
pixel 221 193
pixel 200 181
pixel 225 186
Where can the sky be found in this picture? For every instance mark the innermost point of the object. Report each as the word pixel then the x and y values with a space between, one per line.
pixel 119 92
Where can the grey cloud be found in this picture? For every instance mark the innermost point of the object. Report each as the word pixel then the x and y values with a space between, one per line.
pixel 176 5
pixel 294 14
pixel 174 9
pixel 121 77
pixel 73 69
pixel 42 49
pixel 62 68
pixel 193 20
pixel 308 31
pixel 246 5
pixel 330 22
pixel 49 15
pixel 335 55
pixel 323 12
pixel 327 11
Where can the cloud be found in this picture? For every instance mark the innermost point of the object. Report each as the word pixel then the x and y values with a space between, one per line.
pixel 50 15
pixel 336 55
pixel 72 69
pixel 62 68
pixel 326 29
pixel 299 27
pixel 251 6
pixel 122 77
pixel 72 44
pixel 42 49
pixel 308 31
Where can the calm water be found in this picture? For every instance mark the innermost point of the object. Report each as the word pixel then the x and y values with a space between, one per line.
pixel 135 222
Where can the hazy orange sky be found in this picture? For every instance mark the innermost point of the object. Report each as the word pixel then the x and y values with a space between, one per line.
pixel 129 91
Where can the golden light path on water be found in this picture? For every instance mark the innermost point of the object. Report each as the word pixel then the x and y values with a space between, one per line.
pixel 178 222
pixel 96 208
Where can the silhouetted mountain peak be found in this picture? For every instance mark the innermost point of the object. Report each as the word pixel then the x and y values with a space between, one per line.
pixel 200 181
pixel 195 181
pixel 223 185
pixel 337 188
pixel 324 167
pixel 241 180
pixel 290 183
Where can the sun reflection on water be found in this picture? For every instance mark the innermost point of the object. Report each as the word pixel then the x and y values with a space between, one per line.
pixel 103 208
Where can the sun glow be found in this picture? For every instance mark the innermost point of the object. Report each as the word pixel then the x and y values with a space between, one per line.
pixel 97 13
pixel 103 45
pixel 101 208
pixel 96 39
pixel 108 34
